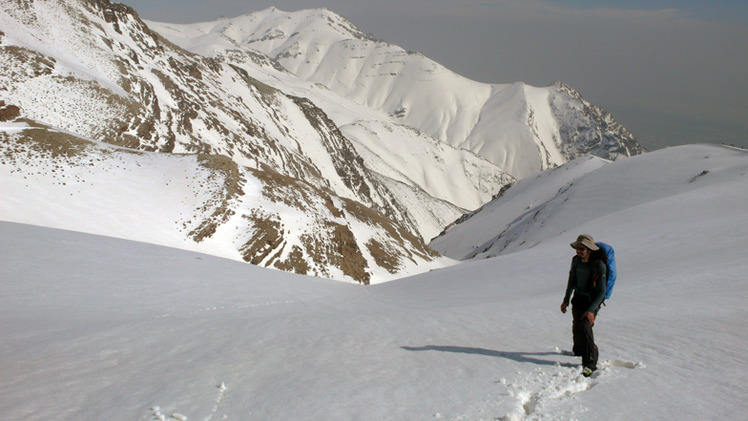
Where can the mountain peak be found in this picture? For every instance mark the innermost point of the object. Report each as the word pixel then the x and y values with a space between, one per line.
pixel 521 128
pixel 362 128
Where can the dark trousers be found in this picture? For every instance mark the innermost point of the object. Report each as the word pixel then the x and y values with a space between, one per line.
pixel 584 339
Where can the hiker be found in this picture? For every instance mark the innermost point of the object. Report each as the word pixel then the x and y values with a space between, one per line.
pixel 587 280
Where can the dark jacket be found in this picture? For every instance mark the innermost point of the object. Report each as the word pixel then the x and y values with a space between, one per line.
pixel 588 281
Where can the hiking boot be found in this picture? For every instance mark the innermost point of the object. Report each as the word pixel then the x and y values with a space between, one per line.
pixel 587 371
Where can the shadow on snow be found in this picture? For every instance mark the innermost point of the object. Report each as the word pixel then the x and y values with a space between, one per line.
pixel 522 357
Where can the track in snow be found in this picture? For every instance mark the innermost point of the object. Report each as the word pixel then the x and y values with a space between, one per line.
pixel 545 393
pixel 158 415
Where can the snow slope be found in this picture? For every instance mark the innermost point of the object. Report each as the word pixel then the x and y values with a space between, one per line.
pixel 589 188
pixel 203 203
pixel 95 69
pixel 101 328
pixel 520 128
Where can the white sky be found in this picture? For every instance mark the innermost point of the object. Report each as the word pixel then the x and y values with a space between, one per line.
pixel 672 72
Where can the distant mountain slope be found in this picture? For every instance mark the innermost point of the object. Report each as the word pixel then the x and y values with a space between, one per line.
pixel 94 68
pixel 198 202
pixel 520 128
pixel 574 196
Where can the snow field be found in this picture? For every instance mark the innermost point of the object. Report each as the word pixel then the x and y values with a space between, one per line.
pixel 98 328
pixel 127 330
pixel 101 328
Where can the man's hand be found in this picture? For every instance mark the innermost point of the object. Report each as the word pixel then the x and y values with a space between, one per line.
pixel 563 307
pixel 589 316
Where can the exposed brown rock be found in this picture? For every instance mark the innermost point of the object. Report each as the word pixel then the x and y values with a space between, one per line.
pixel 9 112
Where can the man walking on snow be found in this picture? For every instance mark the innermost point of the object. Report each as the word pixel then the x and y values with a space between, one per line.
pixel 587 279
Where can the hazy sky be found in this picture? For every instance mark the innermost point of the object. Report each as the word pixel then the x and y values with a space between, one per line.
pixel 672 72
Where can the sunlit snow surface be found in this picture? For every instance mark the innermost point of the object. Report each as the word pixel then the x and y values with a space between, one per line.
pixel 100 328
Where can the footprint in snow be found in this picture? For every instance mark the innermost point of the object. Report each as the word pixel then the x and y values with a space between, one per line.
pixel 158 415
pixel 623 364
pixel 233 307
pixel 548 393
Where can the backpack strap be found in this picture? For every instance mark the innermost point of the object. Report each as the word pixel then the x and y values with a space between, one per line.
pixel 596 272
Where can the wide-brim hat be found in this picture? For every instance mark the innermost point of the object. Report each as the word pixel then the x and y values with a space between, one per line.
pixel 585 240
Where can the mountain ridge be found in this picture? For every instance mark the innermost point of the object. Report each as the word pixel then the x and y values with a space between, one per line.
pixel 536 209
pixel 198 202
pixel 96 70
pixel 175 101
pixel 418 92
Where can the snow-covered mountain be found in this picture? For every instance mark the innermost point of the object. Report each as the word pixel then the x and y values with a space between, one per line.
pixel 99 328
pixel 590 190
pixel 240 95
pixel 520 128
pixel 109 129
pixel 94 68
pixel 198 202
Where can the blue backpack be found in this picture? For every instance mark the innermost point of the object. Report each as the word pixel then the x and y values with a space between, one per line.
pixel 608 256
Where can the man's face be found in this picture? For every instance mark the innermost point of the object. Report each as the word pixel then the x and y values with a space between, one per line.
pixel 583 253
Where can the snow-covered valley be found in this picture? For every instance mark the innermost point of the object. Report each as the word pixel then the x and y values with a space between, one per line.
pixel 300 94
pixel 102 328
pixel 176 201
